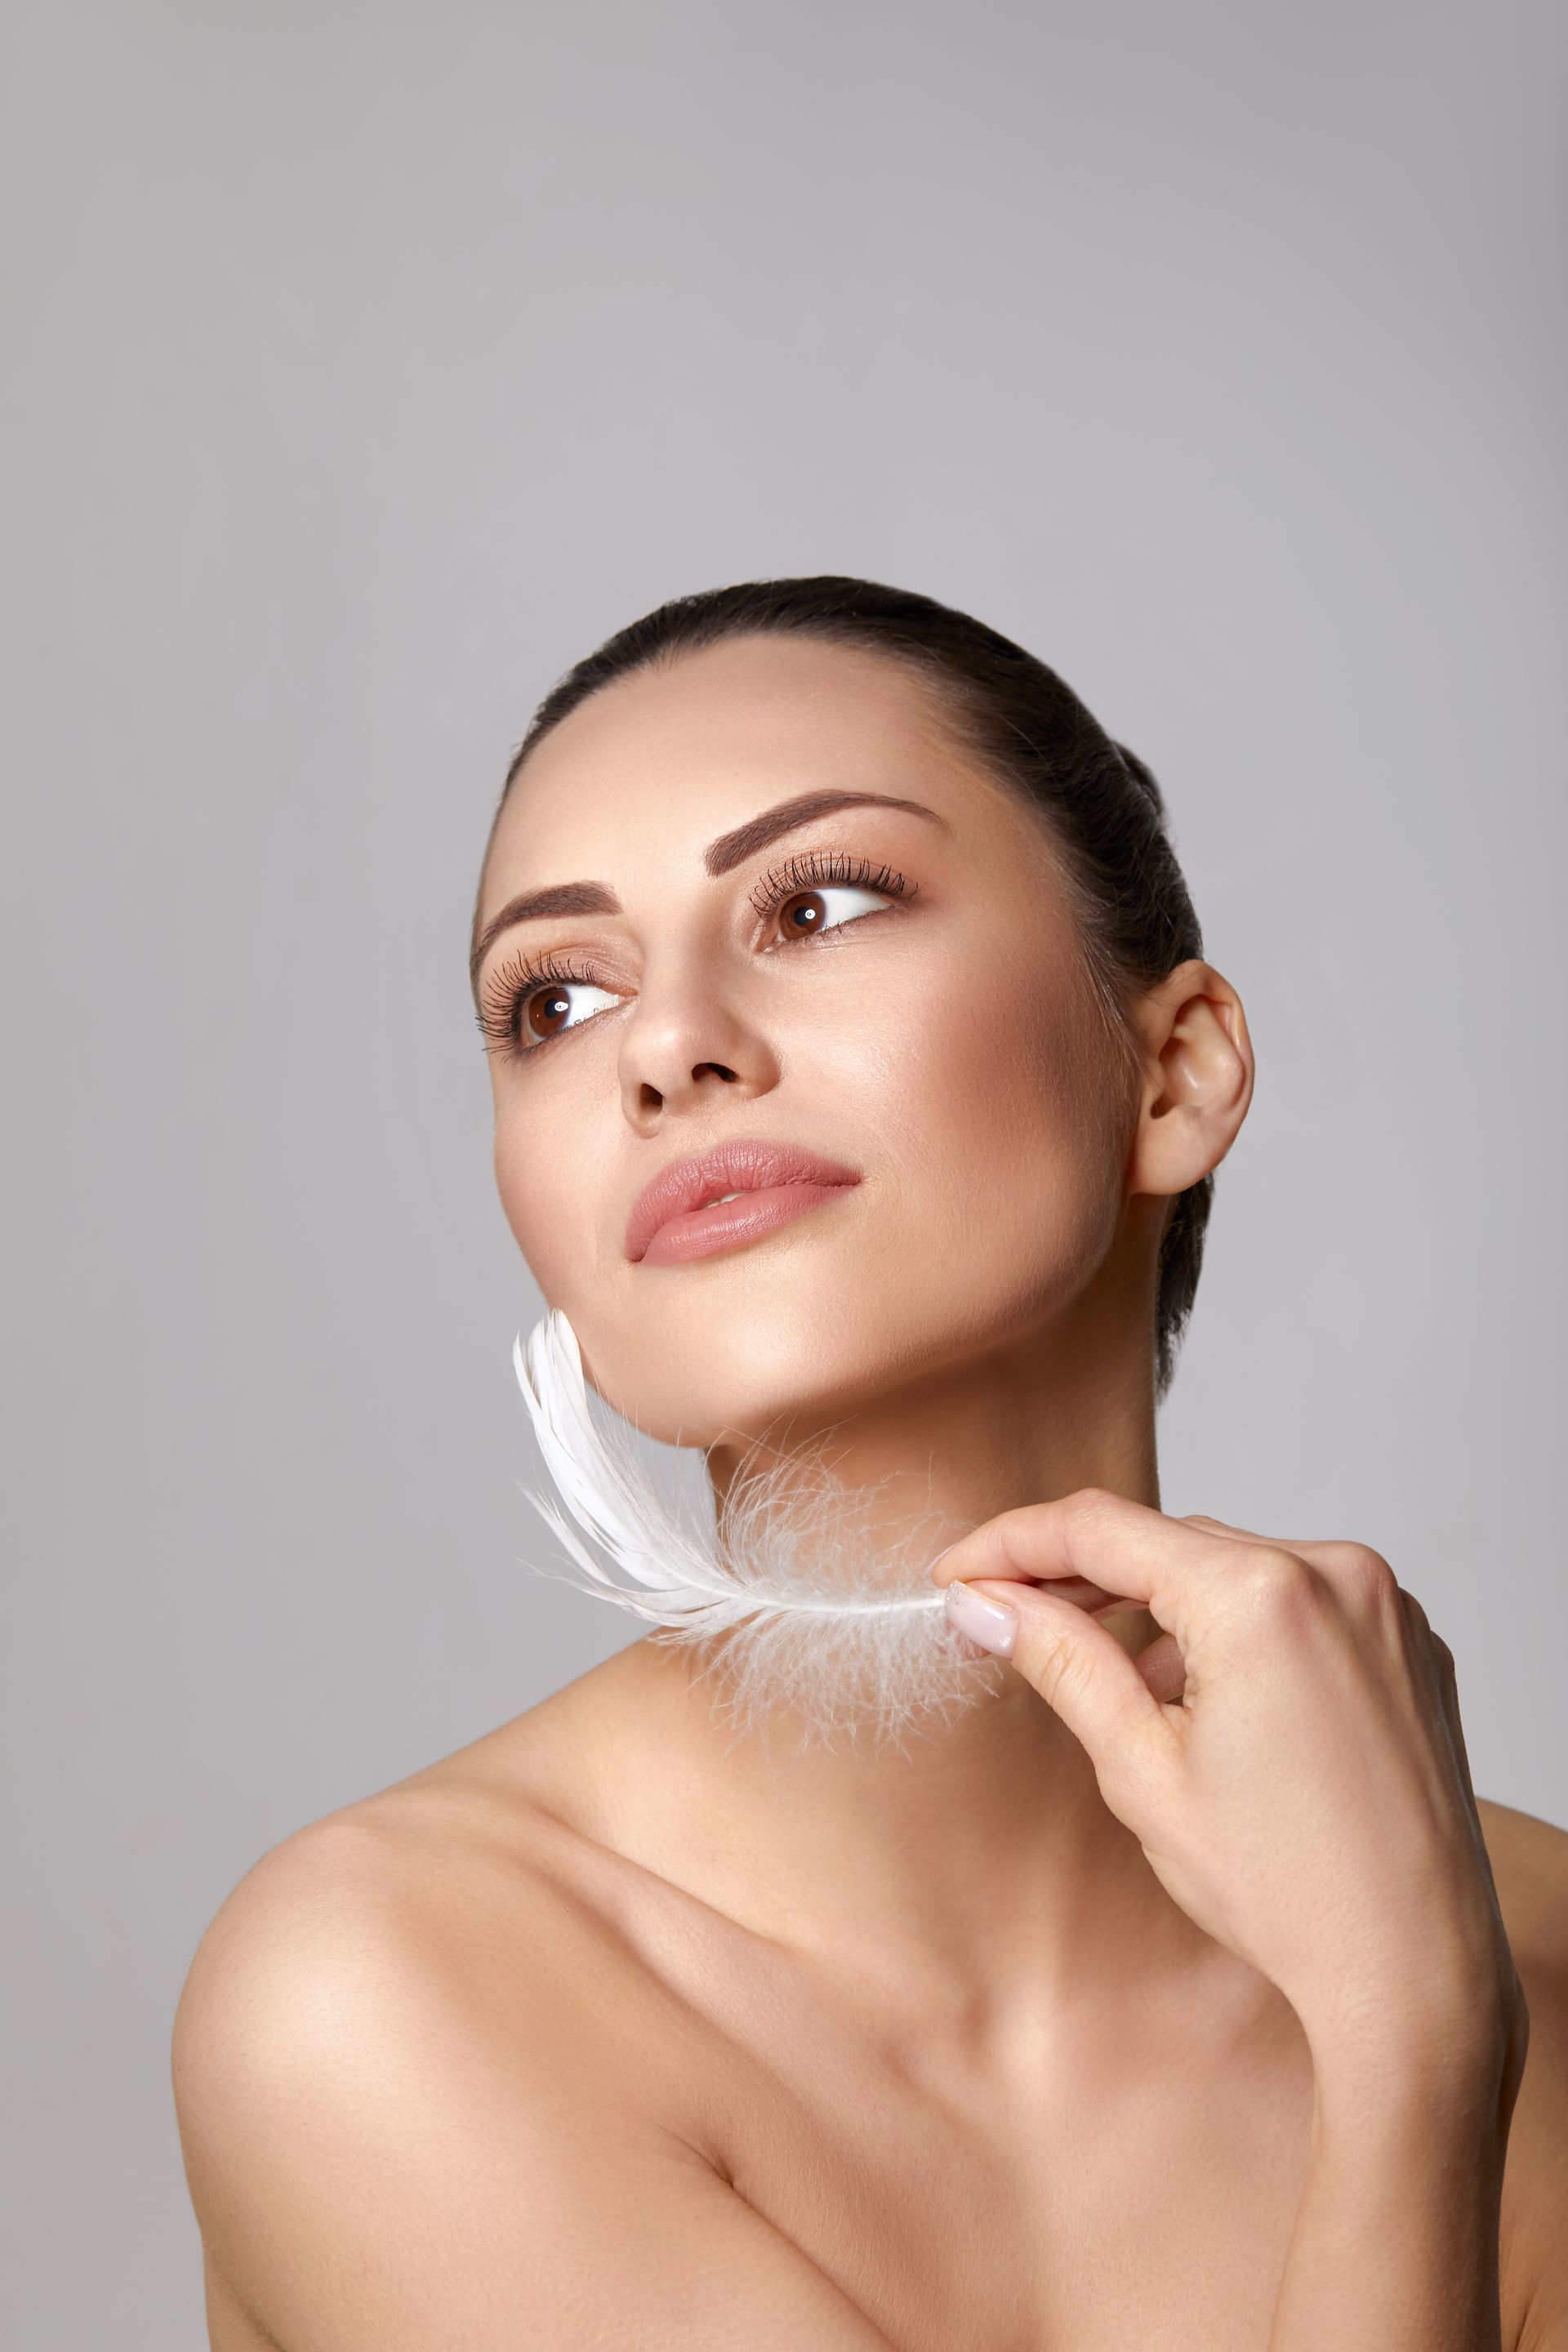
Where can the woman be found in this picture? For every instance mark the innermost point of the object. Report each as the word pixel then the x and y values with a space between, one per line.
pixel 859 1085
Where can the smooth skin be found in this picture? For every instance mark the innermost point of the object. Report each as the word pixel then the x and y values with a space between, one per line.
pixel 1309 1682
pixel 1175 1995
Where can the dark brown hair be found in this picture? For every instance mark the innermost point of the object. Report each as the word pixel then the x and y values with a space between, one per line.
pixel 1101 805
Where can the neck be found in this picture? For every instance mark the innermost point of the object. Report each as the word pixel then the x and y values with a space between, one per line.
pixel 1023 1423
pixel 977 1871
pixel 977 1861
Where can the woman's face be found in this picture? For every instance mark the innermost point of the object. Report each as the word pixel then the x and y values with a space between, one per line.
pixel 787 911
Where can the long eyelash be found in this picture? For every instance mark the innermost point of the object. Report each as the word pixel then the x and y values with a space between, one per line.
pixel 818 868
pixel 508 988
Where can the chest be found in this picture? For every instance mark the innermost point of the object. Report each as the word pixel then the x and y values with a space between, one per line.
pixel 1065 2194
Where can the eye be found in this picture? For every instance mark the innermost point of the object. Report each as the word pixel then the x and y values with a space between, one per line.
pixel 559 1005
pixel 808 912
pixel 826 890
pixel 532 999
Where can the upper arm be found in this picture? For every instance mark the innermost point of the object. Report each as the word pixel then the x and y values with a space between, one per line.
pixel 1530 1862
pixel 378 2167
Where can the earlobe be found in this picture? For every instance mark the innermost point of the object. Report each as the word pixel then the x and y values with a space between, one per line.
pixel 1198 1078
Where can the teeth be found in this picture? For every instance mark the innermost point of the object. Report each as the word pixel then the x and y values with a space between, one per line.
pixel 721 1201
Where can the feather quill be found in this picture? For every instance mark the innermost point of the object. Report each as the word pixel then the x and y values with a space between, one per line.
pixel 803 1597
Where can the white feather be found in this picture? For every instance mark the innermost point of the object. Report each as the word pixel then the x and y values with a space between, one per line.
pixel 810 1601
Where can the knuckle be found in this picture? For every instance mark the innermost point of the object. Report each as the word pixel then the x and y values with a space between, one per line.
pixel 1089 1512
pixel 1415 1615
pixel 1271 1580
pixel 1445 1657
pixel 1093 1504
pixel 1365 1575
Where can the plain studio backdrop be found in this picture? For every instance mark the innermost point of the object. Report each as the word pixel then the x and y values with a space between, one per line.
pixel 374 362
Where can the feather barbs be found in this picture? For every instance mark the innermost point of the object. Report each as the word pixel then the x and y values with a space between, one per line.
pixel 814 1603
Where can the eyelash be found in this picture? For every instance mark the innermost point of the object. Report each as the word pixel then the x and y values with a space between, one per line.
pixel 510 988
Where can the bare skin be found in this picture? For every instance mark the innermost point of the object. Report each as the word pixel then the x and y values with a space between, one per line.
pixel 609 2030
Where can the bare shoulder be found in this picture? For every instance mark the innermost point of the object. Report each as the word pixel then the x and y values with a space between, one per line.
pixel 375 1903
pixel 369 1907
pixel 405 1913
pixel 1529 1864
pixel 405 2064
pixel 329 2044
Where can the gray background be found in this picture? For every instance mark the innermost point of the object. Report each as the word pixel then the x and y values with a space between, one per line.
pixel 376 361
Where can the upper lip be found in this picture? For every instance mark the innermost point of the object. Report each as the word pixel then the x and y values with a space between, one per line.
pixel 748 1164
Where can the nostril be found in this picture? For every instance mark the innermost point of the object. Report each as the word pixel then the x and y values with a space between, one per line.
pixel 719 1070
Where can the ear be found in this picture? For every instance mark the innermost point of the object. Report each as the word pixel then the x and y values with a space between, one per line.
pixel 1197 1078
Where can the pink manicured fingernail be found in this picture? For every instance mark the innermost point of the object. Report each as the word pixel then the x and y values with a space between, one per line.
pixel 985 1622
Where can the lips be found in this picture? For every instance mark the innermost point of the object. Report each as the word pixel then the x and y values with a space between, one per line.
pixel 676 1216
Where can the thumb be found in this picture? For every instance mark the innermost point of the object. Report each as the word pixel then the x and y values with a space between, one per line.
pixel 1079 1669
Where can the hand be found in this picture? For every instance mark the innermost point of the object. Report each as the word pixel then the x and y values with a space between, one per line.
pixel 1288 1753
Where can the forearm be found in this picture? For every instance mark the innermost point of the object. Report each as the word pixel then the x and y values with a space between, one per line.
pixel 1396 2244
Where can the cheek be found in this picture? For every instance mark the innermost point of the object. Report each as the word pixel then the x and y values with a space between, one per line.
pixel 993 1101
pixel 540 1179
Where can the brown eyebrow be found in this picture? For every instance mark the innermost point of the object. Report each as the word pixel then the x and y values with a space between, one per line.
pixel 559 899
pixel 730 850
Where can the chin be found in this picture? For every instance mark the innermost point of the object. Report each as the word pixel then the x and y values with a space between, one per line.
pixel 753 1358
pixel 735 1344
pixel 704 1366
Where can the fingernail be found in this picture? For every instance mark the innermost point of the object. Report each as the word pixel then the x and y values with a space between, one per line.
pixel 985 1622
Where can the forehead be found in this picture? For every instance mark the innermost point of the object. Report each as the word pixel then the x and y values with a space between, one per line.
pixel 665 759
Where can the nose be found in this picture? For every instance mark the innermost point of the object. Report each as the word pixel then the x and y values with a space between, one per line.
pixel 685 1046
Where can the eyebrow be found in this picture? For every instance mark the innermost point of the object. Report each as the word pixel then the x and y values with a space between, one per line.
pixel 720 857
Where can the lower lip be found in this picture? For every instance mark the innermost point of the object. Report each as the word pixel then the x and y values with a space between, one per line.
pixel 729 1224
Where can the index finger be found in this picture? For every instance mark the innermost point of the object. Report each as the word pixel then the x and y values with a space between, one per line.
pixel 1125 1547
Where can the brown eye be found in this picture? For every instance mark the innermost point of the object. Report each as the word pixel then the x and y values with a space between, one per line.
pixel 560 1004
pixel 546 1012
pixel 805 913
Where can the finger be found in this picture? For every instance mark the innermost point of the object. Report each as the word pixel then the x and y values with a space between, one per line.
pixel 1449 1689
pixel 1442 1680
pixel 1084 1676
pixel 1304 1547
pixel 1224 1527
pixel 1163 1670
pixel 1339 1559
pixel 1432 1661
pixel 1448 1684
pixel 1067 1587
pixel 1361 1580
pixel 1092 1597
pixel 1127 1549
pixel 1421 1646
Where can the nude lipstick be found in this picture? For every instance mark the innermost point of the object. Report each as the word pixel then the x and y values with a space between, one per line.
pixel 684 1213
